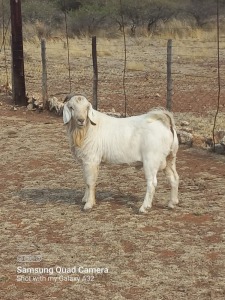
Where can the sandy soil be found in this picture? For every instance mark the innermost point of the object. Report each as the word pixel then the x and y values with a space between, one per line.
pixel 164 254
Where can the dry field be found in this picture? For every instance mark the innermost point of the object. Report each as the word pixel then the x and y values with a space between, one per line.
pixel 164 254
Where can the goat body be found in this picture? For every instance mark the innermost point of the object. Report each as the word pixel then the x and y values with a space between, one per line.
pixel 148 140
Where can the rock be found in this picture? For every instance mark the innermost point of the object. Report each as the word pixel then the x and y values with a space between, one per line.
pixel 35 97
pixel 7 89
pixel 199 141
pixel 219 135
pixel 185 138
pixel 222 142
pixel 40 107
pixel 187 129
pixel 208 142
pixel 219 149
pixel 29 100
pixel 55 105
pixel 184 123
pixel 37 104
pixel 30 106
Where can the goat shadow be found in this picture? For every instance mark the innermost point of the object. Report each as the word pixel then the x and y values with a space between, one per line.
pixel 74 197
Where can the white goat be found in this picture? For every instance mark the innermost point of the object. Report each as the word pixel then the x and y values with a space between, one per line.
pixel 148 140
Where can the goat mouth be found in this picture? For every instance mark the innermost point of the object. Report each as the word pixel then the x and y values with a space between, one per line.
pixel 80 125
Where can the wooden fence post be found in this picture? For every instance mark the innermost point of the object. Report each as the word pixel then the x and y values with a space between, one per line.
pixel 95 73
pixel 18 78
pixel 44 74
pixel 169 76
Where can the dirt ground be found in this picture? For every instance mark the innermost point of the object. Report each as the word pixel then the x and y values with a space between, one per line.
pixel 164 254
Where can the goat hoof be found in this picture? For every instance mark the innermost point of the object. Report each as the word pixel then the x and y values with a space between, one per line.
pixel 87 210
pixel 87 207
pixel 171 205
pixel 142 210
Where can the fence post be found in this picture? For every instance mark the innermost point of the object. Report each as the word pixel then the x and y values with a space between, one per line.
pixel 169 76
pixel 18 78
pixel 95 73
pixel 44 74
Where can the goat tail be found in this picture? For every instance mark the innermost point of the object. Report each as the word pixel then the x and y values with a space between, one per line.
pixel 163 116
pixel 172 126
pixel 167 119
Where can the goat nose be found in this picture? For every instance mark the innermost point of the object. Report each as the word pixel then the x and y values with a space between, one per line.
pixel 81 121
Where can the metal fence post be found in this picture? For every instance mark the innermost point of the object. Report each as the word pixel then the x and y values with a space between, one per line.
pixel 169 76
pixel 95 75
pixel 44 74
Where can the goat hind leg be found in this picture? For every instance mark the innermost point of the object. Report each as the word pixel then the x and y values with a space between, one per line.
pixel 173 178
pixel 151 185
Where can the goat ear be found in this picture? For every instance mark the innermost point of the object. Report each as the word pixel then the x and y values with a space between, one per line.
pixel 91 114
pixel 66 114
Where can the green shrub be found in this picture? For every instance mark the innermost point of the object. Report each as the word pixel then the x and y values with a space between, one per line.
pixel 42 11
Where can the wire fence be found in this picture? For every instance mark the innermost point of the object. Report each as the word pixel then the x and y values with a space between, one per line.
pixel 194 73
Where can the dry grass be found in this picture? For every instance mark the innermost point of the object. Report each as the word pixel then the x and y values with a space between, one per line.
pixel 135 66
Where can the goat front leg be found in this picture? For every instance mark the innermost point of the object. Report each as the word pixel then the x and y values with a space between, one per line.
pixel 90 178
